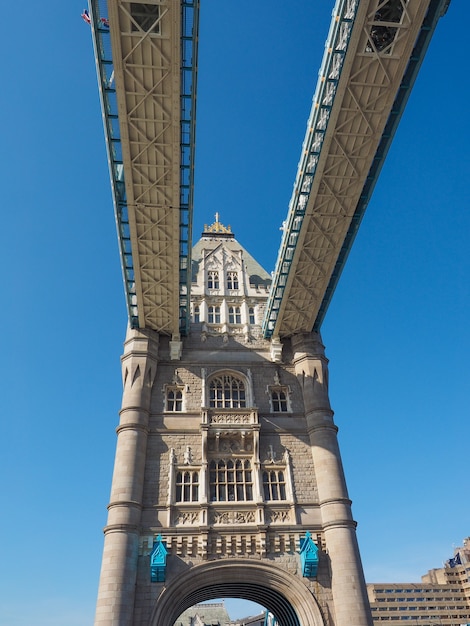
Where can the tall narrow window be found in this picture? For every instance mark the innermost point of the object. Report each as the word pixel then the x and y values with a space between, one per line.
pixel 213 280
pixel 251 315
pixel 174 399
pixel 227 392
pixel 230 481
pixel 196 315
pixel 187 486
pixel 274 485
pixel 279 400
pixel 234 315
pixel 213 315
pixel 232 280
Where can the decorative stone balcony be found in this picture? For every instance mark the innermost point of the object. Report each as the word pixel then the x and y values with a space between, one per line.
pixel 230 417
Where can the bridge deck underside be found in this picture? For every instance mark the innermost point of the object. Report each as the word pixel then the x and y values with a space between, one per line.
pixel 372 71
pixel 146 55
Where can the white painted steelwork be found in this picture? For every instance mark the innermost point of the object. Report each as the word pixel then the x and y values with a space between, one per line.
pixel 153 82
pixel 369 50
pixel 147 88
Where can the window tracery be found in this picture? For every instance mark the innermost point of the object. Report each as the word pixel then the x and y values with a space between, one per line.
pixel 279 398
pixel 227 392
pixel 187 486
pixel 274 485
pixel 232 280
pixel 230 481
pixel 234 315
pixel 213 315
pixel 212 280
pixel 173 399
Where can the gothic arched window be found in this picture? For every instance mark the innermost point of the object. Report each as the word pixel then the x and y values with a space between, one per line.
pixel 251 315
pixel 213 315
pixel 279 400
pixel 234 315
pixel 187 486
pixel 174 399
pixel 274 485
pixel 212 280
pixel 230 481
pixel 227 392
pixel 232 280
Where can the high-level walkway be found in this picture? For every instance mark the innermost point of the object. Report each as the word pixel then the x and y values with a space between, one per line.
pixel 146 57
pixel 373 54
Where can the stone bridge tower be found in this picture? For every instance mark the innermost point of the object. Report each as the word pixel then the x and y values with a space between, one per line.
pixel 228 478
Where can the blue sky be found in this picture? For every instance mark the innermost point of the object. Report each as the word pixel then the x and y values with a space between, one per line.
pixel 397 331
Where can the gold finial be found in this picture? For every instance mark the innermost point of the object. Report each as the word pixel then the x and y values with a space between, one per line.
pixel 217 227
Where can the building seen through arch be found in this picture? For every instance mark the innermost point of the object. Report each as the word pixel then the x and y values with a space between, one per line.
pixel 216 614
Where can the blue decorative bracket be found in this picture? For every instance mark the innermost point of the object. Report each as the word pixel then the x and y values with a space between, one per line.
pixel 308 556
pixel 158 561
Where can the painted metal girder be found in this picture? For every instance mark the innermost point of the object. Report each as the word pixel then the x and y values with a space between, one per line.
pixel 153 87
pixel 369 52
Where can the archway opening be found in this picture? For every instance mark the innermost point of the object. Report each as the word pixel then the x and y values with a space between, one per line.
pixel 272 601
pixel 285 596
pixel 226 611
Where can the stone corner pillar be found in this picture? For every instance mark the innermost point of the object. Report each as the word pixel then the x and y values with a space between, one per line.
pixel 351 604
pixel 115 605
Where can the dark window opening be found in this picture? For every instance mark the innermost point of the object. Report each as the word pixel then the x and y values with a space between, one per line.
pixel 389 11
pixel 213 316
pixel 234 315
pixel 232 280
pixel 274 485
pixel 145 17
pixel 174 400
pixel 230 481
pixel 213 280
pixel 279 401
pixel 382 35
pixel 187 487
pixel 227 392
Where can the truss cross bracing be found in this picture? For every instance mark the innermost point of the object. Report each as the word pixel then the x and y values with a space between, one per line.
pixel 146 54
pixel 373 52
pixel 146 61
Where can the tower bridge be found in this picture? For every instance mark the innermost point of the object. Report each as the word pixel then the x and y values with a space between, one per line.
pixel 228 474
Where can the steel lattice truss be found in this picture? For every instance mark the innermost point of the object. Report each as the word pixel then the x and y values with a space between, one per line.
pixel 370 47
pixel 153 78
pixel 146 55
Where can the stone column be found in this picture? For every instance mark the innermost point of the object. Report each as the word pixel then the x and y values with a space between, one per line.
pixel 351 605
pixel 115 606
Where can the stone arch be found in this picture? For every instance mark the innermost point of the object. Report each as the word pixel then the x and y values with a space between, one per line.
pixel 290 601
pixel 246 379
